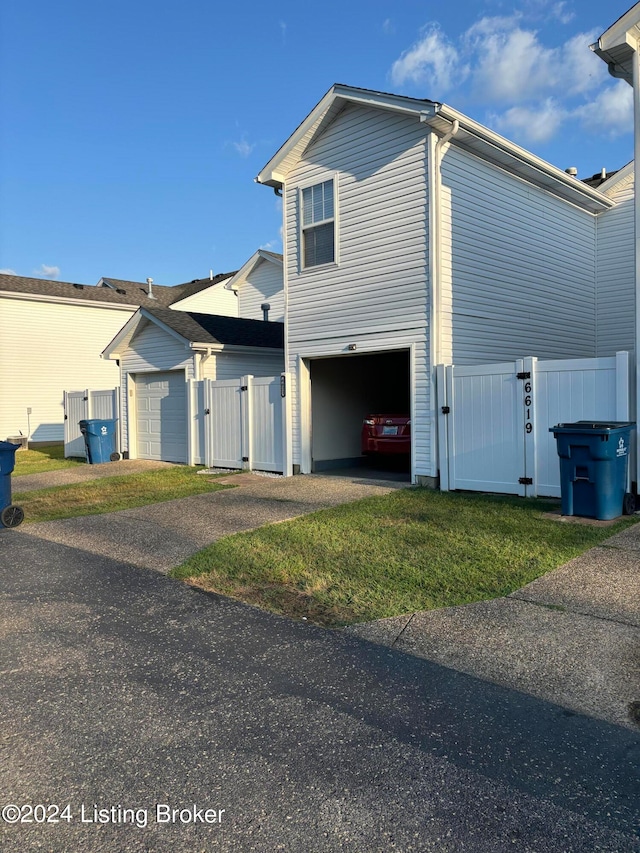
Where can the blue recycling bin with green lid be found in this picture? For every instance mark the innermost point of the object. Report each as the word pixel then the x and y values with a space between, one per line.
pixel 594 461
pixel 100 439
pixel 10 515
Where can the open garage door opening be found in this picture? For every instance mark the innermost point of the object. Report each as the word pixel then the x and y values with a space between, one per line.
pixel 346 391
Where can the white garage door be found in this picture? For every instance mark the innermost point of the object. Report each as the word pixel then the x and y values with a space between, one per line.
pixel 161 416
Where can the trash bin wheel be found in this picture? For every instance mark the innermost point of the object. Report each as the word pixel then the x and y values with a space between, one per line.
pixel 115 457
pixel 629 504
pixel 12 515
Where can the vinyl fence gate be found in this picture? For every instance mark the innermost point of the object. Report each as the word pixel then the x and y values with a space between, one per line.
pixel 83 405
pixel 494 419
pixel 241 423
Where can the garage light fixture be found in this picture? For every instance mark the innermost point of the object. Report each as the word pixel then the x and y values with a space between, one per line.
pixel 352 347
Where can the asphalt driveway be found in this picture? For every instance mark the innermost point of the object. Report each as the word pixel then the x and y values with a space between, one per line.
pixel 123 689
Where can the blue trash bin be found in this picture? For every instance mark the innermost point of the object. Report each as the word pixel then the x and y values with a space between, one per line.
pixel 10 515
pixel 594 459
pixel 100 440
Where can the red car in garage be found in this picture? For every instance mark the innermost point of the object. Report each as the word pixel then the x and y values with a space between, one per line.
pixel 384 434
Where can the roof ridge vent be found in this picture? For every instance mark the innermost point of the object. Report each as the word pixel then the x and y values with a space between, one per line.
pixel 79 286
pixel 572 171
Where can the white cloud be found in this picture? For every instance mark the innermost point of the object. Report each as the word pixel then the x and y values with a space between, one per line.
pixel 47 272
pixel 534 124
pixel 548 9
pixel 432 60
pixel 531 87
pixel 283 31
pixel 510 63
pixel 243 147
pixel 561 13
pixel 388 27
pixel 611 111
pixel 8 272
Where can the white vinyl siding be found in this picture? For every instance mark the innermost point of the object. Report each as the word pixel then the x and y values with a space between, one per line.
pixel 47 348
pixel 214 300
pixel 521 267
pixel 152 349
pixel 616 273
pixel 377 297
pixel 229 365
pixel 263 284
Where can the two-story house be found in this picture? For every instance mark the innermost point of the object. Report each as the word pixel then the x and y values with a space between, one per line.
pixel 414 236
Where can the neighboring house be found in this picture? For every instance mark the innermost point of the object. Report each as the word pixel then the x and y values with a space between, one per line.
pixel 65 327
pixel 160 350
pixel 51 337
pixel 415 236
pixel 619 47
pixel 259 287
pixel 257 283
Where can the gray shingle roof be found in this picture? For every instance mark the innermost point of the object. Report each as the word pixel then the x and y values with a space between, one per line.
pixel 216 329
pixel 597 179
pixel 122 293
pixel 198 284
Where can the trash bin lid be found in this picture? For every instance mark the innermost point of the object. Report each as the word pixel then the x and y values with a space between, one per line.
pixel 593 427
pixel 8 445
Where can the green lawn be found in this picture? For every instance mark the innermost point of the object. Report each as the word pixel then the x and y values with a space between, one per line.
pixel 46 458
pixel 110 494
pixel 414 549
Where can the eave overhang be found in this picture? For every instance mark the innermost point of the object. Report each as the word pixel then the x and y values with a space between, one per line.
pixel 617 45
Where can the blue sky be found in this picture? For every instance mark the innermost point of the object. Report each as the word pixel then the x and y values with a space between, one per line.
pixel 131 132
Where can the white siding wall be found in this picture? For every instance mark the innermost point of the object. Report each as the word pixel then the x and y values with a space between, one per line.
pixel 377 296
pixel 615 276
pixel 264 284
pixel 151 349
pixel 213 300
pixel 522 267
pixel 234 365
pixel 47 348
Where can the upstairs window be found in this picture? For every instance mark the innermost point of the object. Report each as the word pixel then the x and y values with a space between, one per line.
pixel 318 225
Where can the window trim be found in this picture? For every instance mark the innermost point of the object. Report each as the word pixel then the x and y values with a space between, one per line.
pixel 302 267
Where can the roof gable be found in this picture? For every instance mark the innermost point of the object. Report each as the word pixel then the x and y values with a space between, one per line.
pixel 199 330
pixel 470 135
pixel 261 256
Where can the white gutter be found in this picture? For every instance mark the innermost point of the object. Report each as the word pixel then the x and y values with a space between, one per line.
pixel 66 300
pixel 636 174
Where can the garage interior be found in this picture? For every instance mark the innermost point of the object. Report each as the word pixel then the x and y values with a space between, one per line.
pixel 344 390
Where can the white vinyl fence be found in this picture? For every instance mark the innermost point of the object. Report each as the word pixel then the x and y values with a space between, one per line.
pixel 83 405
pixel 233 423
pixel 494 419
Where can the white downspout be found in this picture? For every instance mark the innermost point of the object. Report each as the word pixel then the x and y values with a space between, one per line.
pixel 636 175
pixel 436 153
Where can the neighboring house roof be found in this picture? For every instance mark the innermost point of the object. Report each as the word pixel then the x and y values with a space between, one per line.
pixel 126 293
pixel 201 330
pixel 616 45
pixel 251 264
pixel 190 288
pixel 114 291
pixel 471 135
pixel 598 179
